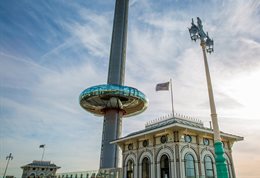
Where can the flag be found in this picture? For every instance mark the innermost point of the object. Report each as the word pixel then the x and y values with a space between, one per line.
pixel 41 146
pixel 162 86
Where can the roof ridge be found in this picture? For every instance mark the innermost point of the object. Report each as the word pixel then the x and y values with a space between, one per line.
pixel 173 116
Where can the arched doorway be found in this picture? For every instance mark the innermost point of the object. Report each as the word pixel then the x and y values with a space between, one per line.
pixel 145 168
pixel 130 169
pixel 32 175
pixel 165 167
pixel 189 166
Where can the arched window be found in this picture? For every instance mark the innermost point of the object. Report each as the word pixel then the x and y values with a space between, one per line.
pixel 130 169
pixel 32 175
pixel 165 165
pixel 229 169
pixel 229 172
pixel 145 168
pixel 189 166
pixel 209 171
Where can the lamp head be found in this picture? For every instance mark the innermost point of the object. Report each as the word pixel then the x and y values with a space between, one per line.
pixel 194 33
pixel 209 45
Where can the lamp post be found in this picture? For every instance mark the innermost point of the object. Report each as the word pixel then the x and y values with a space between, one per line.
pixel 197 32
pixel 8 158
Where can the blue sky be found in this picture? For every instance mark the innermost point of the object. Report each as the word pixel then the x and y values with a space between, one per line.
pixel 50 51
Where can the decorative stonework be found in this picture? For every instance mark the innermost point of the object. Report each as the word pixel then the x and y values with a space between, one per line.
pixel 39 169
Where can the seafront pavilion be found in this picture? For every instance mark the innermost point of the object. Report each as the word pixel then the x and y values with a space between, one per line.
pixel 171 146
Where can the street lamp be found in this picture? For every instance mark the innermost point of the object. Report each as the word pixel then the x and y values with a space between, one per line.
pixel 207 44
pixel 8 158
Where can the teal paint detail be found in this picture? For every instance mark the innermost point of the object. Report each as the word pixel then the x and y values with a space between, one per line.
pixel 113 90
pixel 221 164
pixel 98 99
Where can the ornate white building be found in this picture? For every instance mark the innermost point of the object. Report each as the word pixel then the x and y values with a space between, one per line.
pixel 174 147
pixel 39 169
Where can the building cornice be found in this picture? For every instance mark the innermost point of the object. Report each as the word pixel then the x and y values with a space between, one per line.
pixel 184 126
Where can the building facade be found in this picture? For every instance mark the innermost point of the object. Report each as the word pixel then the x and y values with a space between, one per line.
pixel 39 169
pixel 174 147
pixel 103 173
pixel 82 174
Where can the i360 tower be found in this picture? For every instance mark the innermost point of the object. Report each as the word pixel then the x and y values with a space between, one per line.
pixel 114 100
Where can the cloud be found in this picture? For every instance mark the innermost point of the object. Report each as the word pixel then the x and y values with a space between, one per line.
pixel 50 112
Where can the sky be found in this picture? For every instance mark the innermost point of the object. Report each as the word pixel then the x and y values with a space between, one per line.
pixel 51 50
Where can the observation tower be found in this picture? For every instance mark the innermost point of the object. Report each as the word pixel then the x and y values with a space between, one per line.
pixel 114 100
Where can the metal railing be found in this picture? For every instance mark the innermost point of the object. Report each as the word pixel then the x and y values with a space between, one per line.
pixel 106 173
pixel 102 173
pixel 170 117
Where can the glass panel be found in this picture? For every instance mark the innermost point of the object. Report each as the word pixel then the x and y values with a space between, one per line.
pixel 130 165
pixel 189 165
pixel 164 164
pixel 209 172
pixel 190 172
pixel 112 89
pixel 130 169
pixel 145 168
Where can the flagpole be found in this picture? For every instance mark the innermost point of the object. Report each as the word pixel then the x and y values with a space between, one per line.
pixel 42 146
pixel 43 152
pixel 172 98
